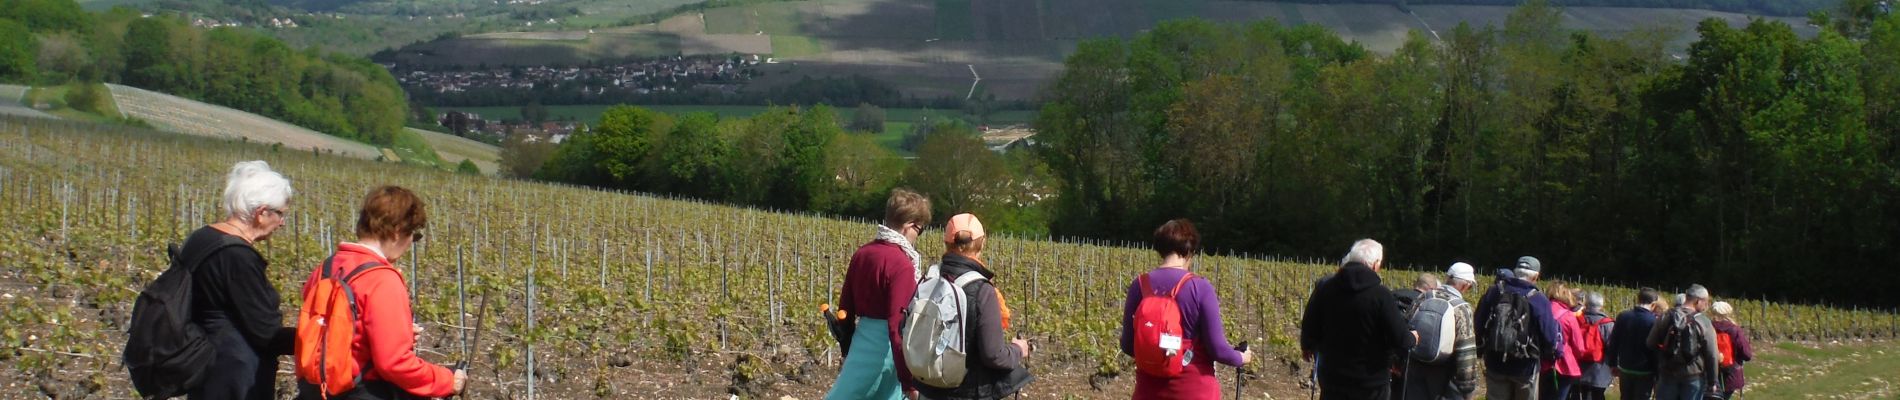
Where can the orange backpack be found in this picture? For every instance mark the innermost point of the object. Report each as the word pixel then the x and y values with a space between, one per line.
pixel 1160 344
pixel 325 329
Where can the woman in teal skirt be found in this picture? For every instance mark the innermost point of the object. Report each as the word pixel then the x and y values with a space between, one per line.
pixel 882 277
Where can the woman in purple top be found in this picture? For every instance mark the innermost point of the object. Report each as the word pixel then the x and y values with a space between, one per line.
pixel 1177 242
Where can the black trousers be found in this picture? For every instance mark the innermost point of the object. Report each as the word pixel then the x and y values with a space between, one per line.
pixel 237 373
pixel 1355 392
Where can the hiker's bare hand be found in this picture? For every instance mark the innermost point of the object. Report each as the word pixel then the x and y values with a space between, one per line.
pixel 1246 357
pixel 461 380
pixel 1021 344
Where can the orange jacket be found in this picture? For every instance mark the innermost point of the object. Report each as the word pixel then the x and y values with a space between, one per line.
pixel 385 340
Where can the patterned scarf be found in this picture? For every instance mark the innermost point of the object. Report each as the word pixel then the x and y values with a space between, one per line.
pixel 891 236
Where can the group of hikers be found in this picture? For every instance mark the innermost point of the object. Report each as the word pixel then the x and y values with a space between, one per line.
pixel 1553 342
pixel 210 327
pixel 1548 342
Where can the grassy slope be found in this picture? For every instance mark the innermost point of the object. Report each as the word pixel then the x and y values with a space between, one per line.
pixel 414 149
pixel 410 147
pixel 1858 370
pixel 55 96
pixel 454 149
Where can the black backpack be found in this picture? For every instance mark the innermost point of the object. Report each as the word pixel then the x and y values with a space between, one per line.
pixel 165 352
pixel 1508 333
pixel 1683 345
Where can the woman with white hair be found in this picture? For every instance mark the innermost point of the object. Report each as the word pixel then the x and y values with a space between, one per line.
pixel 231 297
pixel 1732 341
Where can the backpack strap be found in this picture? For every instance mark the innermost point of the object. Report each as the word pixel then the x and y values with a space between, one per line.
pixel 1148 290
pixel 968 278
pixel 350 292
pixel 1178 284
pixel 191 261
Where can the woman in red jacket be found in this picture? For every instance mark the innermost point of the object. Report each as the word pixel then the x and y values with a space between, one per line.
pixel 390 221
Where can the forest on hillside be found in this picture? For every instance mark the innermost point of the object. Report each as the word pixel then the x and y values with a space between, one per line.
pixel 51 42
pixel 1786 8
pixel 1759 162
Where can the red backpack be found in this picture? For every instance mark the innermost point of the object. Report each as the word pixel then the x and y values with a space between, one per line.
pixel 1160 344
pixel 1592 339
pixel 1726 345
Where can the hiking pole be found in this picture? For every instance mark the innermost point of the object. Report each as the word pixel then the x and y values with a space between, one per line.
pixel 1313 391
pixel 1405 378
pixel 461 294
pixel 481 313
pixel 1240 376
pixel 468 344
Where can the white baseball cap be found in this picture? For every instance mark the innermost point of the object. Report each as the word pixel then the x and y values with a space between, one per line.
pixel 1462 271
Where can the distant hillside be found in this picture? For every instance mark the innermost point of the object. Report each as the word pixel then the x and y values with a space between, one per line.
pixel 178 114
pixel 938 48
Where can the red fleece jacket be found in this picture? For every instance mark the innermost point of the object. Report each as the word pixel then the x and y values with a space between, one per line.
pixel 879 285
pixel 385 337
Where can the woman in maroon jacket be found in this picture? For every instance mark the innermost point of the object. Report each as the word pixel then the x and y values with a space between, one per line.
pixel 882 277
pixel 1732 380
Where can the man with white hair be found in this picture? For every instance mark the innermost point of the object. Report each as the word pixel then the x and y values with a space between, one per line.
pixel 232 299
pixel 1455 378
pixel 1516 333
pixel 1354 321
pixel 1596 379
pixel 1689 356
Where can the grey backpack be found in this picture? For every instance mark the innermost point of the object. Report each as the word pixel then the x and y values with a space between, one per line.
pixel 1436 321
pixel 933 328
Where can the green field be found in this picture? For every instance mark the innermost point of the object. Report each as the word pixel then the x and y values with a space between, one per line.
pixel 796 46
pixel 954 20
pixel 519 51
pixel 774 18
pixel 898 121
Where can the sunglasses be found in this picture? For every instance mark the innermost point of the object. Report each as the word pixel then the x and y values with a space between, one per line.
pixel 415 237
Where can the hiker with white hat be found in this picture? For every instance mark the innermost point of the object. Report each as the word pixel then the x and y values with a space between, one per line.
pixel 1455 375
pixel 1732 342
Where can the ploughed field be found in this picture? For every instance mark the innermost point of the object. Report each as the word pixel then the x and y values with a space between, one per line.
pixel 632 296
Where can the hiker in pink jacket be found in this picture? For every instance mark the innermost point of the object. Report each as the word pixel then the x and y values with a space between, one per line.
pixel 1563 370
